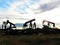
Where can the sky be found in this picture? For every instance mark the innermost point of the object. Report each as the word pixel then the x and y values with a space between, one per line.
pixel 20 11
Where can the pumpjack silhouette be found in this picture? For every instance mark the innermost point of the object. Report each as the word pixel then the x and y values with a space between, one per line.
pixel 30 24
pixel 4 27
pixel 11 24
pixel 47 28
pixel 48 25
pixel 31 28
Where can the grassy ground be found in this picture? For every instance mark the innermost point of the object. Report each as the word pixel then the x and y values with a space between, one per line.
pixel 40 39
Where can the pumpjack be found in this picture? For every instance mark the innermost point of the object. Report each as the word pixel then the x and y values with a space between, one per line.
pixel 4 25
pixel 11 24
pixel 30 28
pixel 47 28
pixel 5 29
pixel 49 24
pixel 30 24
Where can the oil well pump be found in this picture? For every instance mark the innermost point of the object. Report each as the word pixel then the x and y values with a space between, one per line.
pixel 11 25
pixel 5 28
pixel 49 27
pixel 30 24
pixel 49 24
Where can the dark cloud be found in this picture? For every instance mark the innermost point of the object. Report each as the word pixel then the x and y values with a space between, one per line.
pixel 49 6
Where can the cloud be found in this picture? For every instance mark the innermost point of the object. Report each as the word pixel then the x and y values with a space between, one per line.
pixel 49 6
pixel 21 9
pixel 19 6
pixel 4 4
pixel 22 6
pixel 45 6
pixel 51 15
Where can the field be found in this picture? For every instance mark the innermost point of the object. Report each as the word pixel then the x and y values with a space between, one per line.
pixel 39 39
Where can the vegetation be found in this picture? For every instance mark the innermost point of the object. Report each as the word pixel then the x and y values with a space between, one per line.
pixel 39 39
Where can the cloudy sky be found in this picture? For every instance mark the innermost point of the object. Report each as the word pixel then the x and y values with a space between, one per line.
pixel 19 11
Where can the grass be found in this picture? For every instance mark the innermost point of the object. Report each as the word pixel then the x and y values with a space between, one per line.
pixel 40 39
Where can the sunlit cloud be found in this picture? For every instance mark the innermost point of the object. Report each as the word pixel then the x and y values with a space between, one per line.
pixel 5 4
pixel 46 6
pixel 21 6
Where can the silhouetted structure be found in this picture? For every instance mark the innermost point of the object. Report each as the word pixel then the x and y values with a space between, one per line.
pixel 47 28
pixel 53 24
pixel 4 25
pixel 11 24
pixel 30 23
pixel 31 29
pixel 34 25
